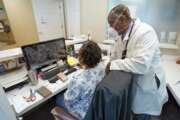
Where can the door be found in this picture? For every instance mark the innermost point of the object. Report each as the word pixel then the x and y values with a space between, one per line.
pixel 49 16
pixel 72 17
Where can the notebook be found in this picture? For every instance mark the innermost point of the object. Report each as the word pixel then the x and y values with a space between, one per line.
pixel 44 91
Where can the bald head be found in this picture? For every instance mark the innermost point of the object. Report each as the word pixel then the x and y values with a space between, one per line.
pixel 119 18
pixel 120 11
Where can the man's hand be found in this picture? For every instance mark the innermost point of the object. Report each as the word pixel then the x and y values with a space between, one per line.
pixel 108 67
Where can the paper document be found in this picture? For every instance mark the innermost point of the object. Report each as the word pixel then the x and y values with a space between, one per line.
pixel 15 98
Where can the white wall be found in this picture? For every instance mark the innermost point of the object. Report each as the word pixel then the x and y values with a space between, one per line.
pixel 93 18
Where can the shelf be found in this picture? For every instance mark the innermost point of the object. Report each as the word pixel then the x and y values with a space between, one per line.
pixel 13 77
pixel 109 42
pixel 10 54
pixel 17 52
pixel 168 46
pixel 3 18
pixel 75 41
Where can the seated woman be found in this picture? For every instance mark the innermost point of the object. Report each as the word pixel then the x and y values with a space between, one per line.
pixel 82 83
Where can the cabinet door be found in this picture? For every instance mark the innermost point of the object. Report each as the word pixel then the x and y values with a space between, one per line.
pixel 49 18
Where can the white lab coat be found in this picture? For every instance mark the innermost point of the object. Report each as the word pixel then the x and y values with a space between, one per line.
pixel 142 59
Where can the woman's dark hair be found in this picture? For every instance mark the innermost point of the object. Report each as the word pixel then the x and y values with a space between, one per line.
pixel 89 54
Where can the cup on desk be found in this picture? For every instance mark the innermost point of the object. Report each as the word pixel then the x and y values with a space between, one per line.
pixel 33 77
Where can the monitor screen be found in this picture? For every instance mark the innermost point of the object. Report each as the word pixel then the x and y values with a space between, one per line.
pixel 44 53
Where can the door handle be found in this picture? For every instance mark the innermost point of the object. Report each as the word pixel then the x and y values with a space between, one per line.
pixel 43 22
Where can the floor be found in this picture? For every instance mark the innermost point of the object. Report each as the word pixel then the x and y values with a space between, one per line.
pixel 171 111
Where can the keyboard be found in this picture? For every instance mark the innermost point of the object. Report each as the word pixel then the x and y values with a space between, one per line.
pixel 51 75
pixel 53 79
pixel 70 70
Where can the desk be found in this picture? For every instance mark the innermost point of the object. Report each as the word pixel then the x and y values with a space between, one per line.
pixel 172 72
pixel 16 99
pixel 20 105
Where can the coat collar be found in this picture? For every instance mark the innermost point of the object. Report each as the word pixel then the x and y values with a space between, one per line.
pixel 136 24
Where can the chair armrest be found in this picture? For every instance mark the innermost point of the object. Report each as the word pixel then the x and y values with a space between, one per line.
pixel 61 114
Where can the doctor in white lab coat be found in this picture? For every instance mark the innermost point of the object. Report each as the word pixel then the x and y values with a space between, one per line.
pixel 137 51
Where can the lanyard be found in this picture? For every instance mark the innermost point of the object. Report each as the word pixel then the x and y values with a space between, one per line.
pixel 124 52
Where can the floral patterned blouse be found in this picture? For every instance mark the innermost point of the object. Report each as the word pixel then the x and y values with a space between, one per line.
pixel 80 90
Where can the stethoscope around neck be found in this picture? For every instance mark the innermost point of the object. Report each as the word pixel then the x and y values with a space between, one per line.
pixel 124 52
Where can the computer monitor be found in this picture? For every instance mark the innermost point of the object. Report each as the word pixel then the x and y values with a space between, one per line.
pixel 44 53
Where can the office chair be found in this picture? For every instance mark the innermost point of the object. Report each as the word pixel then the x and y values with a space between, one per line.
pixel 111 101
pixel 60 114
